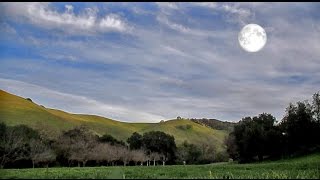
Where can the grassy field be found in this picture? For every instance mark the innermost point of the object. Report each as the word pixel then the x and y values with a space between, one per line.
pixel 15 110
pixel 302 167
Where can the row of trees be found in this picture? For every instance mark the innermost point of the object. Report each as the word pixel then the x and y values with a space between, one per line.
pixel 262 137
pixel 21 146
pixel 80 146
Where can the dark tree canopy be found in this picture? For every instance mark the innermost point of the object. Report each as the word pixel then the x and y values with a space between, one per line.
pixel 107 138
pixel 135 141
pixel 300 128
pixel 160 142
pixel 297 133
pixel 252 137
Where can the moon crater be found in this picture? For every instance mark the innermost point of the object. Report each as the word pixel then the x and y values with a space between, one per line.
pixel 252 38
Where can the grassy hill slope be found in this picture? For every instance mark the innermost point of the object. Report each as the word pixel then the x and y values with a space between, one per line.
pixel 15 110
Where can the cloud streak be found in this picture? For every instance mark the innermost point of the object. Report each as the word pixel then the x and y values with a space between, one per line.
pixel 43 15
pixel 180 59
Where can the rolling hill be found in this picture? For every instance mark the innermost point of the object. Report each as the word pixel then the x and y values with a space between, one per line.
pixel 15 110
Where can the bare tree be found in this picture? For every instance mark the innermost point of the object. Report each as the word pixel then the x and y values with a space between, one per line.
pixel 77 145
pixel 13 147
pixel 163 158
pixel 103 152
pixel 40 152
pixel 124 154
pixel 155 157
pixel 114 154
pixel 82 150
pixel 138 156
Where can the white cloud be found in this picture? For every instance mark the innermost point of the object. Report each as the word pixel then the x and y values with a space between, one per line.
pixel 193 73
pixel 175 26
pixel 242 15
pixel 238 12
pixel 112 21
pixel 6 28
pixel 170 5
pixel 163 19
pixel 87 21
pixel 206 4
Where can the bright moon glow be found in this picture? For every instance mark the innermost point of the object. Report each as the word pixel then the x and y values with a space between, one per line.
pixel 252 38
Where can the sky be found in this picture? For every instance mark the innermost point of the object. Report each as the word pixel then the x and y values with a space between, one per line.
pixel 146 62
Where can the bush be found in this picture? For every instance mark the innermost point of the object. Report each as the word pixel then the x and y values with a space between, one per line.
pixel 29 99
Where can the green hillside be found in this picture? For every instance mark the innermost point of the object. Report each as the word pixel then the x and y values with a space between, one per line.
pixel 15 110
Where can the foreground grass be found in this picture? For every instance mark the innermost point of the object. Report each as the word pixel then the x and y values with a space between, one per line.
pixel 303 167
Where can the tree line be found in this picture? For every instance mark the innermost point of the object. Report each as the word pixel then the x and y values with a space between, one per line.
pixel 260 137
pixel 22 146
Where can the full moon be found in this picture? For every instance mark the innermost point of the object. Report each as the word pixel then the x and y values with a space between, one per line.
pixel 252 38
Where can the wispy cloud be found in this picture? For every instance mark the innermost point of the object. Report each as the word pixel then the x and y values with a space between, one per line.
pixel 180 59
pixel 43 15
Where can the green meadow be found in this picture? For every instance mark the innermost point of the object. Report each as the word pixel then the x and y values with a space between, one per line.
pixel 301 167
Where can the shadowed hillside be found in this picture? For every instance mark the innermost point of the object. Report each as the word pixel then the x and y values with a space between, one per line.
pixel 215 124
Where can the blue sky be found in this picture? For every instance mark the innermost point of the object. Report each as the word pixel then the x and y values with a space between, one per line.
pixel 144 62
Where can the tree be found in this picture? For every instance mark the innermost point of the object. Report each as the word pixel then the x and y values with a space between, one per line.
pixel 138 156
pixel 124 154
pixel 231 145
pixel 154 157
pixel 316 105
pixel 14 145
pixel 29 99
pixel 135 141
pixel 208 152
pixel 76 145
pixel 102 152
pixel 188 153
pixel 253 138
pixel 40 152
pixel 107 138
pixel 300 127
pixel 160 142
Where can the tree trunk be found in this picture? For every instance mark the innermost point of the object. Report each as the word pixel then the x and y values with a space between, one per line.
pixel 84 163
pixel 163 163
pixel 78 164
pixel 154 162
pixel 33 164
